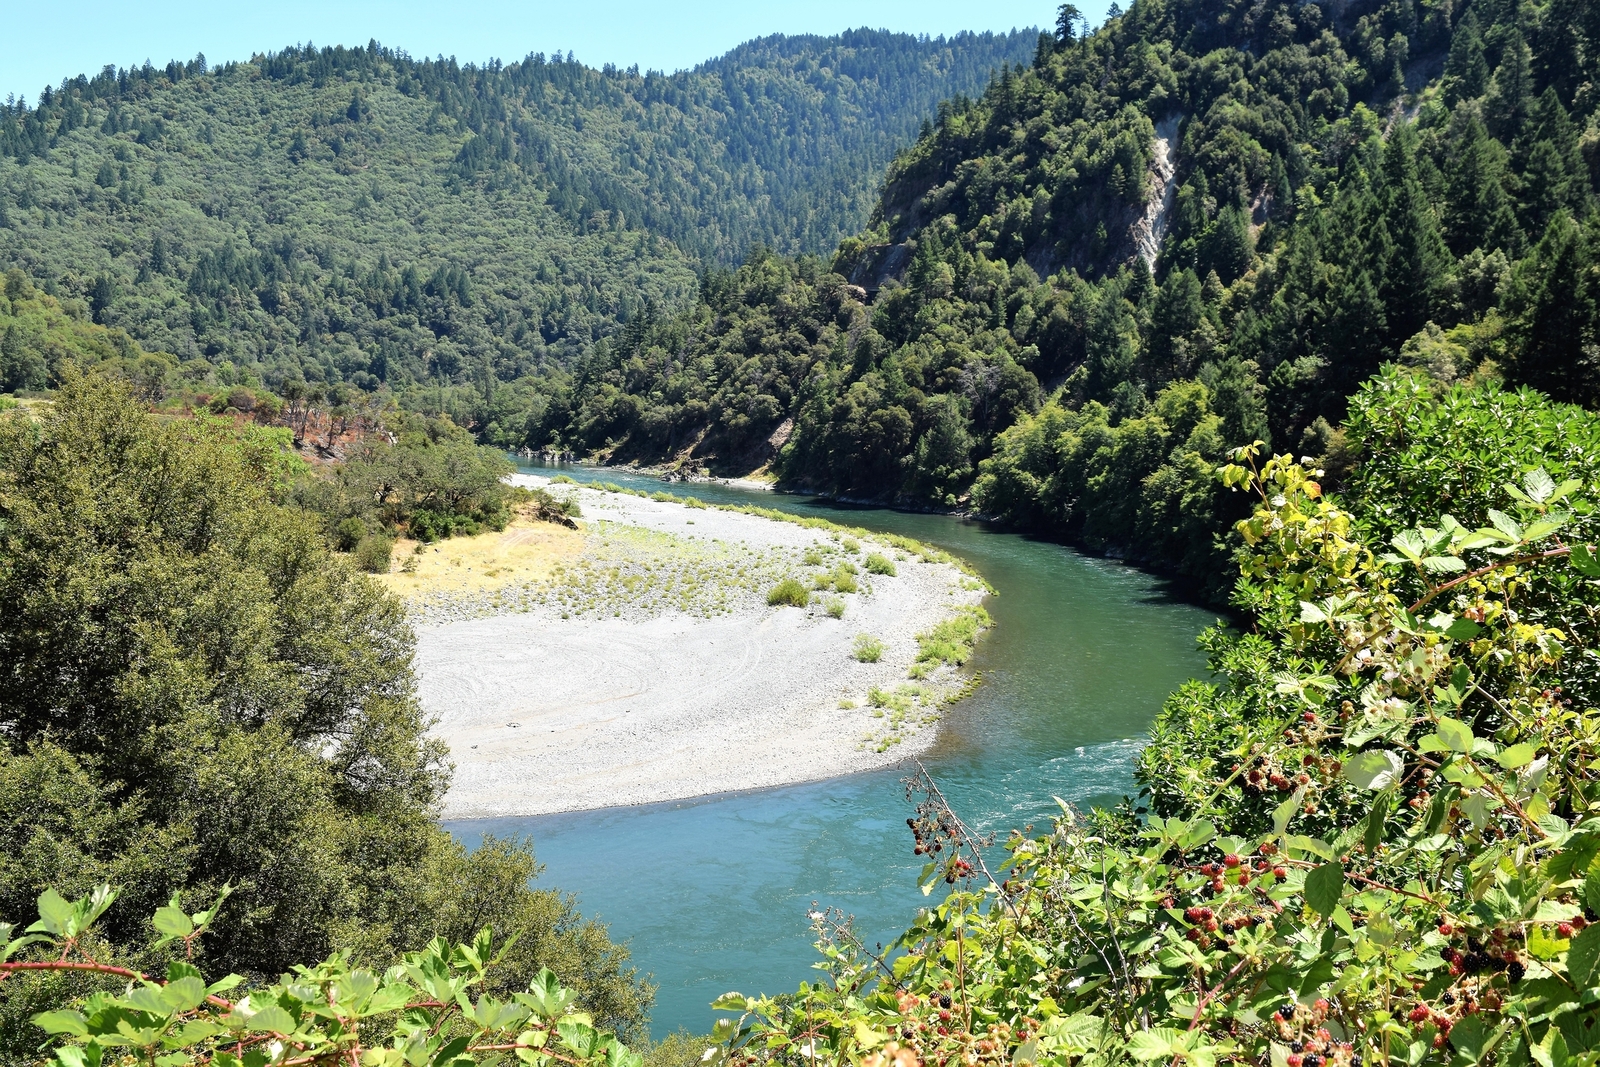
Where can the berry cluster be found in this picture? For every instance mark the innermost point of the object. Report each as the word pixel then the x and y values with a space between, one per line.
pixel 934 1031
pixel 1301 1027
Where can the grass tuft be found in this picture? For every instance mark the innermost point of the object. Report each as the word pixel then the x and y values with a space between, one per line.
pixel 788 593
pixel 867 649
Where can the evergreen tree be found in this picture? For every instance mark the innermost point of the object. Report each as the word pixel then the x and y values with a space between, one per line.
pixel 1551 166
pixel 1555 344
pixel 1229 247
pixel 1111 342
pixel 1477 211
pixel 1354 337
pixel 1466 70
pixel 1510 96
pixel 1177 313
pixel 1417 260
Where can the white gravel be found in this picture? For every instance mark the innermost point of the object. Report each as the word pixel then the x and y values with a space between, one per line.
pixel 545 714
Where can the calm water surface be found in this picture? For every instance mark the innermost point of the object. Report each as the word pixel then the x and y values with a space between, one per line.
pixel 711 894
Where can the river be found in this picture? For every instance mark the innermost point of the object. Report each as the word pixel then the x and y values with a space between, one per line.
pixel 711 895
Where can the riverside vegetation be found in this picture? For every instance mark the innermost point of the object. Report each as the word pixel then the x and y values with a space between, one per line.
pixel 197 692
pixel 1369 839
pixel 1391 182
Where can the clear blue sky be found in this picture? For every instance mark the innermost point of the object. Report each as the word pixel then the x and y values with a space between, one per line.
pixel 44 43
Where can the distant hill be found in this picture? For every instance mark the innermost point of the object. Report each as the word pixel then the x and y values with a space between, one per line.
pixel 1205 223
pixel 357 215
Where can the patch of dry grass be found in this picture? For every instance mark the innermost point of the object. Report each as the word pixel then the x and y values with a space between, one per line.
pixel 523 552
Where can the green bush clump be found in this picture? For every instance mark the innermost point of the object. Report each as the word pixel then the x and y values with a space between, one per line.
pixel 333 1011
pixel 562 479
pixel 952 640
pixel 867 649
pixel 877 563
pixel 350 533
pixel 835 607
pixel 373 552
pixel 788 593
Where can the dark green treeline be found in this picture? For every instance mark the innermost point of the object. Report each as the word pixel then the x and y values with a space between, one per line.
pixel 358 216
pixel 1415 184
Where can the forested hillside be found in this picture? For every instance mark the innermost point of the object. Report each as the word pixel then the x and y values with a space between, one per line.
pixel 357 215
pixel 1353 184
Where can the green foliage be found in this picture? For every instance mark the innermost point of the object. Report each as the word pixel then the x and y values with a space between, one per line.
pixel 678 1049
pixel 951 641
pixel 789 593
pixel 878 563
pixel 1365 840
pixel 867 649
pixel 435 1005
pixel 835 607
pixel 994 340
pixel 39 334
pixel 355 215
pixel 196 692
pixel 372 554
pixel 841 579
pixel 350 532
pixel 432 481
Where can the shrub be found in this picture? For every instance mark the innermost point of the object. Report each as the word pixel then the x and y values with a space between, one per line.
pixel 314 1013
pixel 350 534
pixel 844 578
pixel 372 554
pixel 850 544
pixel 835 608
pixel 951 641
pixel 788 593
pixel 562 479
pixel 813 557
pixel 880 564
pixel 868 649
pixel 1371 839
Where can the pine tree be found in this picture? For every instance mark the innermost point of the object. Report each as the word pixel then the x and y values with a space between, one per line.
pixel 1550 164
pixel 1466 70
pixel 1417 260
pixel 1555 336
pixel 1228 247
pixel 1510 96
pixel 1110 343
pixel 1477 211
pixel 1354 337
pixel 1177 313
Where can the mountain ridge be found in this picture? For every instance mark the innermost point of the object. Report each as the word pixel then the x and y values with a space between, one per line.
pixel 335 213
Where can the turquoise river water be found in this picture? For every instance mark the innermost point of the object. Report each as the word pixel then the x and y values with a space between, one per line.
pixel 711 895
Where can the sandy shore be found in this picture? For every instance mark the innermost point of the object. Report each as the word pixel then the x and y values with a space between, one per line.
pixel 648 666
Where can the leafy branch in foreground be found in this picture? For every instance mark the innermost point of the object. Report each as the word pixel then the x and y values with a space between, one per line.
pixel 419 1011
pixel 1373 842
